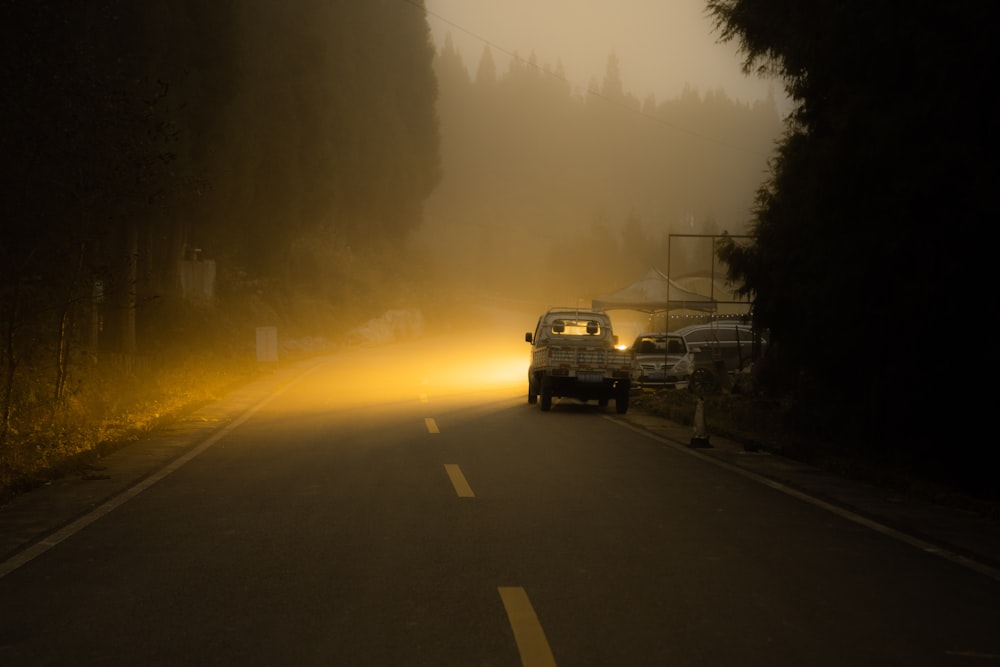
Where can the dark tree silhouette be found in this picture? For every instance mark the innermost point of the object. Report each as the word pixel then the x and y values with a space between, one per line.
pixel 867 228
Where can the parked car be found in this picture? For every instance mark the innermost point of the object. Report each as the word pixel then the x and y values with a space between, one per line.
pixel 721 346
pixel 663 361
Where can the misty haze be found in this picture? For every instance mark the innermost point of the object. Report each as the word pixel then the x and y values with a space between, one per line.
pixel 454 332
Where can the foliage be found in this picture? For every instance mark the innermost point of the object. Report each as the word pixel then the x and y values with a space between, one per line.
pixel 284 143
pixel 867 227
pixel 106 407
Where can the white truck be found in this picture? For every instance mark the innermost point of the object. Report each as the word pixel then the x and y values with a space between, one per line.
pixel 574 354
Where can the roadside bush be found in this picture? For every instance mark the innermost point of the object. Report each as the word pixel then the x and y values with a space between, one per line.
pixel 107 408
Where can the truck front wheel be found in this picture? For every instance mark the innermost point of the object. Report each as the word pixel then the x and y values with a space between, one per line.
pixel 532 391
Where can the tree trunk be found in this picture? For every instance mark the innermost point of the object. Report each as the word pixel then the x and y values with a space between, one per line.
pixel 10 363
pixel 128 334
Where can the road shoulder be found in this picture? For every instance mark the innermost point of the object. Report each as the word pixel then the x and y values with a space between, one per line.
pixel 960 535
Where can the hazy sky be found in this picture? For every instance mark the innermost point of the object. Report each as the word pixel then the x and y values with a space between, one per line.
pixel 661 44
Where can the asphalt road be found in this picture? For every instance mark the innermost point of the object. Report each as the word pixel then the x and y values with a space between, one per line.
pixel 381 509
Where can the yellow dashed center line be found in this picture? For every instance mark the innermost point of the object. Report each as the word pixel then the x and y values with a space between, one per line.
pixel 462 487
pixel 432 426
pixel 531 641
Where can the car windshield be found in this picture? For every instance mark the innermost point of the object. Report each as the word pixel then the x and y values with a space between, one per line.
pixel 659 345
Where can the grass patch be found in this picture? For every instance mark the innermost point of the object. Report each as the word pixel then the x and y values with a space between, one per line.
pixel 106 412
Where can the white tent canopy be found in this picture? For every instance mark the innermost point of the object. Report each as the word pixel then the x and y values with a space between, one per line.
pixel 654 293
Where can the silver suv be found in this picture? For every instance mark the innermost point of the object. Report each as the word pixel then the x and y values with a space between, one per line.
pixel 721 346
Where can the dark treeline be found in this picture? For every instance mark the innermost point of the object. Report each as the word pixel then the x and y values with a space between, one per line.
pixel 266 157
pixel 871 259
pixel 556 193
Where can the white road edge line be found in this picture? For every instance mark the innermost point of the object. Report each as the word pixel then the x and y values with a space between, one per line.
pixel 67 531
pixel 881 528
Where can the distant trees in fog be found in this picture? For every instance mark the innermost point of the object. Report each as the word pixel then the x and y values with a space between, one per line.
pixel 566 179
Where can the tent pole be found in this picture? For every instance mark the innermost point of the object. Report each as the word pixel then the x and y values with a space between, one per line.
pixel 666 314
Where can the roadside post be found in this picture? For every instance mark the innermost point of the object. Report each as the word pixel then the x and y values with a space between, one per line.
pixel 700 437
pixel 267 344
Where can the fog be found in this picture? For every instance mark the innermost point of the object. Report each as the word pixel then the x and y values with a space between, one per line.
pixel 184 173
pixel 576 138
pixel 179 175
pixel 663 47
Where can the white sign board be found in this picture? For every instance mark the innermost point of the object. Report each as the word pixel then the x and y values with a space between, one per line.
pixel 267 343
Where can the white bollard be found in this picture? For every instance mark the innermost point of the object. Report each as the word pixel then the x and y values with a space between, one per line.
pixel 700 437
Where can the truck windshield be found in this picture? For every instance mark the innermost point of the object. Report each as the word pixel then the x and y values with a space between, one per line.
pixel 575 328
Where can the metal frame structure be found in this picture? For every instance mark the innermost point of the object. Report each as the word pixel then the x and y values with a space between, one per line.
pixel 713 237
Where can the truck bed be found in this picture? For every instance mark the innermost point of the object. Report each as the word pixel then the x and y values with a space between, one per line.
pixel 586 358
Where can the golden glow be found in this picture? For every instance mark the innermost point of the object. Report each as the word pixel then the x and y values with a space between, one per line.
pixel 489 364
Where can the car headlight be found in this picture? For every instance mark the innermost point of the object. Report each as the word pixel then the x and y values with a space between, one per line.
pixel 682 367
